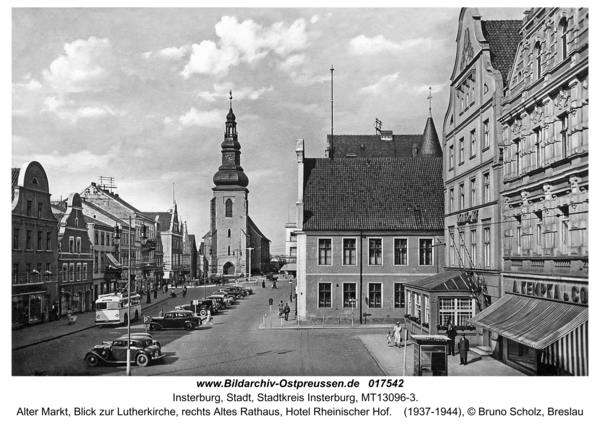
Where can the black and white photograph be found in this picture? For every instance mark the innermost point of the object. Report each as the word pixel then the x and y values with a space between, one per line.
pixel 286 201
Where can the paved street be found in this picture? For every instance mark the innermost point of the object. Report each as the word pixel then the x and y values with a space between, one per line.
pixel 233 346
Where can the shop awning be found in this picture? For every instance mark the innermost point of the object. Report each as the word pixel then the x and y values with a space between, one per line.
pixel 288 267
pixel 533 322
pixel 113 262
pixel 445 281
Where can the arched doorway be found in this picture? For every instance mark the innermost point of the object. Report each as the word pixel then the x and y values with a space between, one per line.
pixel 228 269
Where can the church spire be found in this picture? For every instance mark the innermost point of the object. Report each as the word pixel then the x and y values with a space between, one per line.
pixel 231 174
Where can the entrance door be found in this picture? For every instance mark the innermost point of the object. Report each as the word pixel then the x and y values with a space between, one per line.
pixel 228 269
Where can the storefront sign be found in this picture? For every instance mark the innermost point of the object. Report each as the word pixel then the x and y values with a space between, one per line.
pixel 468 217
pixel 574 293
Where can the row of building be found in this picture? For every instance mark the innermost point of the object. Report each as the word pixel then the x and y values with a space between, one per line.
pixel 67 252
pixel 487 229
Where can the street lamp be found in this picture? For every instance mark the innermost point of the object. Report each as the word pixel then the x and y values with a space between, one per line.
pixel 117 239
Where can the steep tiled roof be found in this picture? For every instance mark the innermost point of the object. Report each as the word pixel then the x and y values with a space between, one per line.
pixel 252 225
pixel 163 217
pixel 372 146
pixel 431 143
pixel 504 39
pixel 374 194
pixel 15 180
pixel 58 210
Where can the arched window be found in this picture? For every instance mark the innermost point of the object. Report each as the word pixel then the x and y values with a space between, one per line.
pixel 563 39
pixel 229 233
pixel 538 60
pixel 228 250
pixel 229 208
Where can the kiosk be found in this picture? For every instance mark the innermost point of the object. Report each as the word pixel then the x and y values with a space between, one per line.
pixel 430 356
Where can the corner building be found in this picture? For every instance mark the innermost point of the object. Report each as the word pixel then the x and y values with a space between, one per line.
pixel 541 322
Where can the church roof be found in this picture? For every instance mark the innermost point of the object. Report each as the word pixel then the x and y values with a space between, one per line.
pixel 431 143
pixel 504 37
pixel 255 229
pixel 372 146
pixel 391 194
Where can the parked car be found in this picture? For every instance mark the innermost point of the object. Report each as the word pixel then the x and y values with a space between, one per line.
pixel 175 319
pixel 229 296
pixel 198 307
pixel 248 290
pixel 221 298
pixel 145 335
pixel 143 351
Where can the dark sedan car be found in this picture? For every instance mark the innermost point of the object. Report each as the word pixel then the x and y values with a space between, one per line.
pixel 199 307
pixel 175 319
pixel 143 351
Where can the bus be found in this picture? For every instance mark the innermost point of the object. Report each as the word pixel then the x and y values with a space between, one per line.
pixel 112 308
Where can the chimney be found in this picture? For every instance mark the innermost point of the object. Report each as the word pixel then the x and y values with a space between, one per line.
pixel 415 150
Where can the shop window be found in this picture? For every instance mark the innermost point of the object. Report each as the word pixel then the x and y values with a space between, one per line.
pixel 324 295
pixel 426 251
pixel 399 300
pixel 375 251
pixel 374 295
pixel 418 297
pixel 400 251
pixel 349 251
pixel 522 355
pixel 349 294
pixel 325 251
pixel 459 310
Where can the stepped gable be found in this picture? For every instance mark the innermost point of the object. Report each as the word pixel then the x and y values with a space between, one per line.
pixel 399 194
pixel 504 37
pixel 373 146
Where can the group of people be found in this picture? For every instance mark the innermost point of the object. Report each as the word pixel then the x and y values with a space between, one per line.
pixel 394 338
pixel 284 310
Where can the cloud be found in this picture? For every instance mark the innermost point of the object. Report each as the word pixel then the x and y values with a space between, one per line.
pixel 314 19
pixel 222 91
pixel 87 66
pixel 174 52
pixel 79 162
pixel 66 110
pixel 385 83
pixel 292 62
pixel 193 117
pixel 363 45
pixel 435 88
pixel 246 42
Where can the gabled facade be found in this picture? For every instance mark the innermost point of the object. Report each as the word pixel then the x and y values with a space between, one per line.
pixel 75 261
pixel 34 247
pixel 171 234
pixel 473 163
pixel 545 196
pixel 368 226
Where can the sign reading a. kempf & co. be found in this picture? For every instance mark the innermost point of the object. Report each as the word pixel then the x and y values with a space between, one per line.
pixel 563 292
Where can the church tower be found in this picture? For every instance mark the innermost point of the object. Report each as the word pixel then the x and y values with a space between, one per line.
pixel 228 237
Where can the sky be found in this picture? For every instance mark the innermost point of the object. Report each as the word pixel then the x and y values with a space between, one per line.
pixel 141 95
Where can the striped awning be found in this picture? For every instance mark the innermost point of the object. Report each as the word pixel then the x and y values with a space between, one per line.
pixel 113 262
pixel 537 323
pixel 288 267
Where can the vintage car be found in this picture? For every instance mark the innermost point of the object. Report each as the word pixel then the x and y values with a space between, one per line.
pixel 199 307
pixel 229 297
pixel 146 335
pixel 175 319
pixel 248 290
pixel 143 351
pixel 221 299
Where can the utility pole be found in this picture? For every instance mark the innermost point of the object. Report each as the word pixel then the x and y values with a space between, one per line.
pixel 250 260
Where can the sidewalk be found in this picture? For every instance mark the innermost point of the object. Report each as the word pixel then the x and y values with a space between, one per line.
pixel 34 334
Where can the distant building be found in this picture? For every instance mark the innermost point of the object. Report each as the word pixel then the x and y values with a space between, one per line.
pixel 235 246
pixel 171 235
pixel 106 268
pixel 369 224
pixel 34 247
pixel 75 261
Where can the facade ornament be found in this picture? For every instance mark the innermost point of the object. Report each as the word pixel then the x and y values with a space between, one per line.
pixel 574 181
pixel 524 197
pixel 548 192
pixel 537 115
pixel 467 53
pixel 562 99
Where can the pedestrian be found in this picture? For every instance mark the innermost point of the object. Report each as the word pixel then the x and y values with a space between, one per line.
pixel 463 349
pixel 161 313
pixel 397 332
pixel 280 306
pixel 208 316
pixel 389 339
pixel 451 333
pixel 184 290
pixel 155 292
pixel 286 311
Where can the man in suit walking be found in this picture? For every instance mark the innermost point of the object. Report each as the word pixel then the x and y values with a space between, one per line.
pixel 463 349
